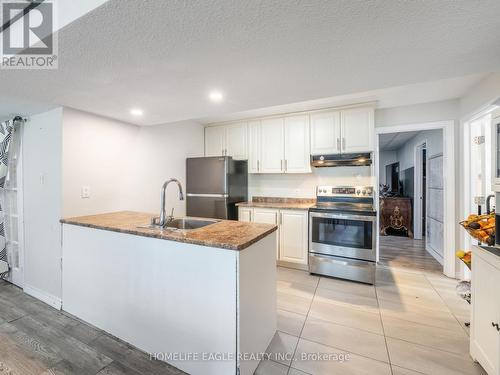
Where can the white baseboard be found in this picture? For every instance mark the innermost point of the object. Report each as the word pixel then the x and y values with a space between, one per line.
pixel 434 253
pixel 49 299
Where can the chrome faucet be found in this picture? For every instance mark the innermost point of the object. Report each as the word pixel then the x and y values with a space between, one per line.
pixel 164 219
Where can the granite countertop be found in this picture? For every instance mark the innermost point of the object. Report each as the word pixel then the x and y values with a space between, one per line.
pixel 225 234
pixel 279 203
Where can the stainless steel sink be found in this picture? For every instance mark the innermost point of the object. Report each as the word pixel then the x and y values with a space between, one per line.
pixel 187 223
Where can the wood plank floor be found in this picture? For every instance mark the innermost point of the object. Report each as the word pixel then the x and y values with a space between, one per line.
pixel 36 339
pixel 404 252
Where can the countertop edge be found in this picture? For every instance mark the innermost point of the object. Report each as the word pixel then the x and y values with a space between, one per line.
pixel 175 239
pixel 490 249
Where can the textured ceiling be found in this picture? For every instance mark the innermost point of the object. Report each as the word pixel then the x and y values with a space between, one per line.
pixel 165 56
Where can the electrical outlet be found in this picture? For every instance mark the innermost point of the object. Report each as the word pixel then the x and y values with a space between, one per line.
pixel 85 192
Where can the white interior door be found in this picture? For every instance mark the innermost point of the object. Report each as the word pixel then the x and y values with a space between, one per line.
pixel 418 204
pixel 435 208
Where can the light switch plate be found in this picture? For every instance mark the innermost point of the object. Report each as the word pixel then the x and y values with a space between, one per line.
pixel 85 192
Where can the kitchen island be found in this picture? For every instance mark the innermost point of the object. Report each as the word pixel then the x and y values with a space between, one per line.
pixel 203 300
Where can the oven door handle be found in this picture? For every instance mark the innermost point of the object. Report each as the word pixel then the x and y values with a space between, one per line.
pixel 343 216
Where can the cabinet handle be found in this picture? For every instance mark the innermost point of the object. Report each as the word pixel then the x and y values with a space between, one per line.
pixel 258 166
pixel 343 144
pixel 281 164
pixel 286 165
pixel 338 144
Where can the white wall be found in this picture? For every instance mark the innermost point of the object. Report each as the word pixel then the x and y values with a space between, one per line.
pixel 304 185
pixel 97 152
pixel 124 165
pixel 417 114
pixel 385 158
pixel 434 146
pixel 160 153
pixel 480 96
pixel 42 188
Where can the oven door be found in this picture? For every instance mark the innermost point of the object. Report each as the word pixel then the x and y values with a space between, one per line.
pixel 344 235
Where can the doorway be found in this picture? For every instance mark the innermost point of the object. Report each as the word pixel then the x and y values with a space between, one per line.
pixel 419 217
pixel 414 147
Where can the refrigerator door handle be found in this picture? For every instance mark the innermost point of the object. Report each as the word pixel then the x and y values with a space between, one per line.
pixel 208 195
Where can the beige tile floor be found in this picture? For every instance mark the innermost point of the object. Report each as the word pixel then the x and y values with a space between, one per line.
pixel 410 323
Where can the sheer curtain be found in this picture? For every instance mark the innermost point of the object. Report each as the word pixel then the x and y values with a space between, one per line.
pixel 10 142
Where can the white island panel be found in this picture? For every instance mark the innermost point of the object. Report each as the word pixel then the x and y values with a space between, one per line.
pixel 160 296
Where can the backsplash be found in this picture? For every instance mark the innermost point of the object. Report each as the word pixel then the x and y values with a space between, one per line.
pixel 304 185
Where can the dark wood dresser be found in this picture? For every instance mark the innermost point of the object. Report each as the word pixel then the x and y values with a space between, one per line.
pixel 396 213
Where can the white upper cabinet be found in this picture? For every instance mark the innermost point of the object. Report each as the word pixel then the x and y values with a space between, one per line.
pixel 227 140
pixel 357 130
pixel 296 158
pixel 254 143
pixel 272 146
pixel 215 143
pixel 237 141
pixel 285 144
pixel 325 133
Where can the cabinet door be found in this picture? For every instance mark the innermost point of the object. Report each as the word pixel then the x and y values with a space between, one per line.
pixel 245 214
pixel 357 130
pixel 215 142
pixel 236 141
pixel 485 313
pixel 325 133
pixel 272 150
pixel 297 155
pixel 267 216
pixel 293 236
pixel 254 163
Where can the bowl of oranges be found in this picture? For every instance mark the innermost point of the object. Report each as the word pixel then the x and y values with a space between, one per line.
pixel 481 227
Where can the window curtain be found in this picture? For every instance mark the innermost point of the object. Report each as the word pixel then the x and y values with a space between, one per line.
pixel 9 151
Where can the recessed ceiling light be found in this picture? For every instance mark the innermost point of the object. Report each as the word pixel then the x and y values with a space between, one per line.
pixel 216 96
pixel 136 112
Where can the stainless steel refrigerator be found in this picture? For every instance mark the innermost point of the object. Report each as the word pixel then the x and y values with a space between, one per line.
pixel 214 185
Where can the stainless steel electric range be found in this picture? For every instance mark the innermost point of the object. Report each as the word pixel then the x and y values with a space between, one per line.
pixel 342 233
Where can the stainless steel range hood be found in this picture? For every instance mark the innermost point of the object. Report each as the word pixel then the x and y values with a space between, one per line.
pixel 341 160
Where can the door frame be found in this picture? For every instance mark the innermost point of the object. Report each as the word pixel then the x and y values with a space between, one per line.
pixel 418 206
pixel 16 275
pixel 450 219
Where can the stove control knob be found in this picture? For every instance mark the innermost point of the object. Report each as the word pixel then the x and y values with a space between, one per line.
pixel 364 192
pixel 358 192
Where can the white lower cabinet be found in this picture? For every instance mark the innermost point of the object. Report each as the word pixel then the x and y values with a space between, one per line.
pixel 292 232
pixel 293 236
pixel 267 216
pixel 245 214
pixel 485 329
